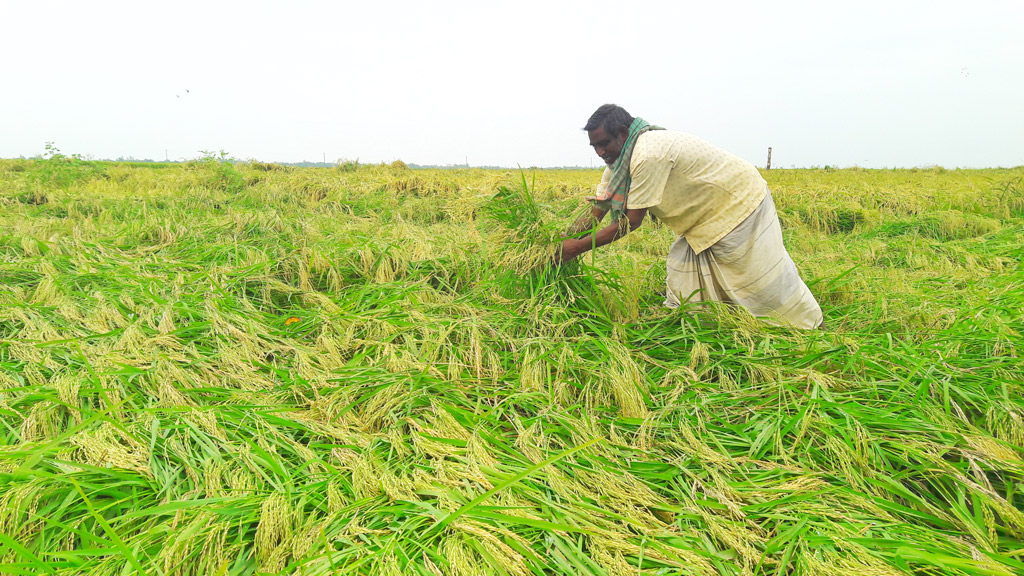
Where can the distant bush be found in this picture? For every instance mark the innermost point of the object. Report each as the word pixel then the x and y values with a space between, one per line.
pixel 221 172
pixel 61 171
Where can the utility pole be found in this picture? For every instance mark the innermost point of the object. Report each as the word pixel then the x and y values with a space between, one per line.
pixel 769 166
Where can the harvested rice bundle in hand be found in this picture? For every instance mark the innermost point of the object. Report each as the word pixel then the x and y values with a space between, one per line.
pixel 520 238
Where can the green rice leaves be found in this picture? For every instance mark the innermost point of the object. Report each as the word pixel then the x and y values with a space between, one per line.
pixel 374 371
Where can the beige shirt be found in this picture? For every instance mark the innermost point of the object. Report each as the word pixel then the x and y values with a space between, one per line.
pixel 697 189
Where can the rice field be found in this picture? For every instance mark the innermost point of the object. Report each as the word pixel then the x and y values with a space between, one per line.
pixel 226 369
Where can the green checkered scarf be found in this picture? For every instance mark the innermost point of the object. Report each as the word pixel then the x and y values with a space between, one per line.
pixel 614 197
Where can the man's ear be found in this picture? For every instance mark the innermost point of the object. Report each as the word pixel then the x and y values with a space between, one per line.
pixel 623 132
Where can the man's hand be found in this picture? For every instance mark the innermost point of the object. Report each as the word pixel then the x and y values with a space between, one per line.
pixel 572 247
pixel 569 250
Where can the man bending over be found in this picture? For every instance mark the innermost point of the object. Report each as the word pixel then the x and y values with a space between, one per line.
pixel 729 245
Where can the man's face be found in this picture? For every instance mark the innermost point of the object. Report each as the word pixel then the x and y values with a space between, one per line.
pixel 607 146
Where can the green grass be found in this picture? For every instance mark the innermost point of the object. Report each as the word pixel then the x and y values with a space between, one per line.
pixel 315 371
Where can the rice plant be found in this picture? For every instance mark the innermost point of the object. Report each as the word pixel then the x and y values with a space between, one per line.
pixel 525 235
pixel 370 371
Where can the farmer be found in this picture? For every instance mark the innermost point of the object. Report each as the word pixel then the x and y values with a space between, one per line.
pixel 729 245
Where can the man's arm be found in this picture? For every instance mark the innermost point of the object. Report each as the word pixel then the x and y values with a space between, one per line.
pixel 573 247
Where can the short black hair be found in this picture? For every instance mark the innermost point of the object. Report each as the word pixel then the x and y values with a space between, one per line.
pixel 612 117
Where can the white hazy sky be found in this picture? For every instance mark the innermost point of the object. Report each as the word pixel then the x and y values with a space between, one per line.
pixel 869 83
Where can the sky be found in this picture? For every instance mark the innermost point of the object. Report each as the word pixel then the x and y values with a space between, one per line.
pixel 877 84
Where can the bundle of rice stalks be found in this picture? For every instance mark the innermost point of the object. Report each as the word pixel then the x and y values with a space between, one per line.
pixel 520 236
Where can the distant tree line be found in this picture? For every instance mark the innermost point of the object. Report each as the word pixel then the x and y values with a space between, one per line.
pixel 347 163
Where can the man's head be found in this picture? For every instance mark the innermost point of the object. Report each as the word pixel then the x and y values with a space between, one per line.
pixel 608 129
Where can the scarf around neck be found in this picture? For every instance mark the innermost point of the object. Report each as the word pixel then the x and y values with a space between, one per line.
pixel 614 197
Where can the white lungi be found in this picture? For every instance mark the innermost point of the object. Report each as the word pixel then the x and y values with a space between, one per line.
pixel 749 267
